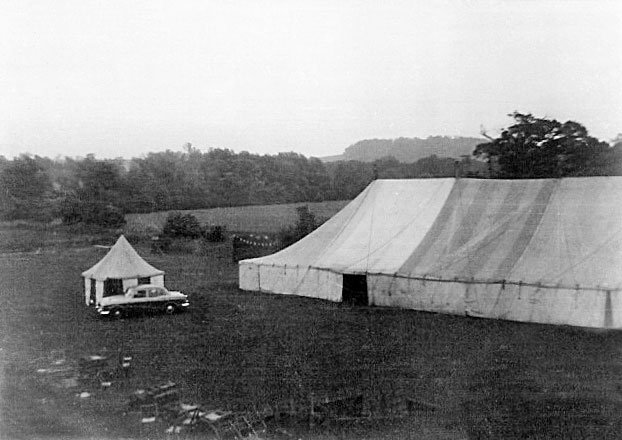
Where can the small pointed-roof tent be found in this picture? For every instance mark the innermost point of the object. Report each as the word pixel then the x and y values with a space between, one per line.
pixel 121 268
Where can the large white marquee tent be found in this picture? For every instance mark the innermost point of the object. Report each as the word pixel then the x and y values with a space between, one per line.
pixel 545 250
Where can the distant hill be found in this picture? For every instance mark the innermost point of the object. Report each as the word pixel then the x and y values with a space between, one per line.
pixel 408 149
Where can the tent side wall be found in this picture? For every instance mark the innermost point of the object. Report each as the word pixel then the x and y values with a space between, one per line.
pixel 248 275
pixel 99 291
pixel 291 280
pixel 158 280
pixel 513 302
pixel 87 290
pixel 408 293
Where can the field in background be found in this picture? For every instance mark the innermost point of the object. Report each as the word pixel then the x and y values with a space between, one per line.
pixel 234 349
pixel 264 219
pixel 25 236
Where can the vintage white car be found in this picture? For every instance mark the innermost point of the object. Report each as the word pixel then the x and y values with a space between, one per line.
pixel 144 297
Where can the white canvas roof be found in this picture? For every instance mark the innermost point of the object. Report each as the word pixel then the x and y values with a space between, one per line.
pixel 377 231
pixel 121 262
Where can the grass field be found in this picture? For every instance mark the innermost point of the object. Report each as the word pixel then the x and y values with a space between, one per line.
pixel 234 350
pixel 261 219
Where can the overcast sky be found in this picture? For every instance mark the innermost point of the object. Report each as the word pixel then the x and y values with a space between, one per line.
pixel 123 78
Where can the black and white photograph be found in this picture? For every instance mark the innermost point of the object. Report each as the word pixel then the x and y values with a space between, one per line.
pixel 310 219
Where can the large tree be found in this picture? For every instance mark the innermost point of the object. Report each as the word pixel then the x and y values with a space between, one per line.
pixel 98 193
pixel 539 147
pixel 24 189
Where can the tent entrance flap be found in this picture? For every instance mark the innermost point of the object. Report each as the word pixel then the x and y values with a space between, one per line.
pixel 355 289
pixel 93 292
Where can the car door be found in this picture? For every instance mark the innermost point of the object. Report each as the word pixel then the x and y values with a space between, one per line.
pixel 140 300
pixel 156 297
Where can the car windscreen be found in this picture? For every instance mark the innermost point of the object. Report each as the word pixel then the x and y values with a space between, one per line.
pixel 140 293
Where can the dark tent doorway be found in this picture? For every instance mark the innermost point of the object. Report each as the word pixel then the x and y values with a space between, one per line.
pixel 113 286
pixel 355 290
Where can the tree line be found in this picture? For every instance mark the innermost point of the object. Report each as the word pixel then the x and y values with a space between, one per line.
pixel 101 191
pixel 94 190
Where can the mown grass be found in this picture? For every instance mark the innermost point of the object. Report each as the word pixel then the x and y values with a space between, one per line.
pixel 261 219
pixel 234 349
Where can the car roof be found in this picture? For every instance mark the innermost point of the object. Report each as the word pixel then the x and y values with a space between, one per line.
pixel 144 286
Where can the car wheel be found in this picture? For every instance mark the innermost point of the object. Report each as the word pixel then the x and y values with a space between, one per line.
pixel 116 313
pixel 170 309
